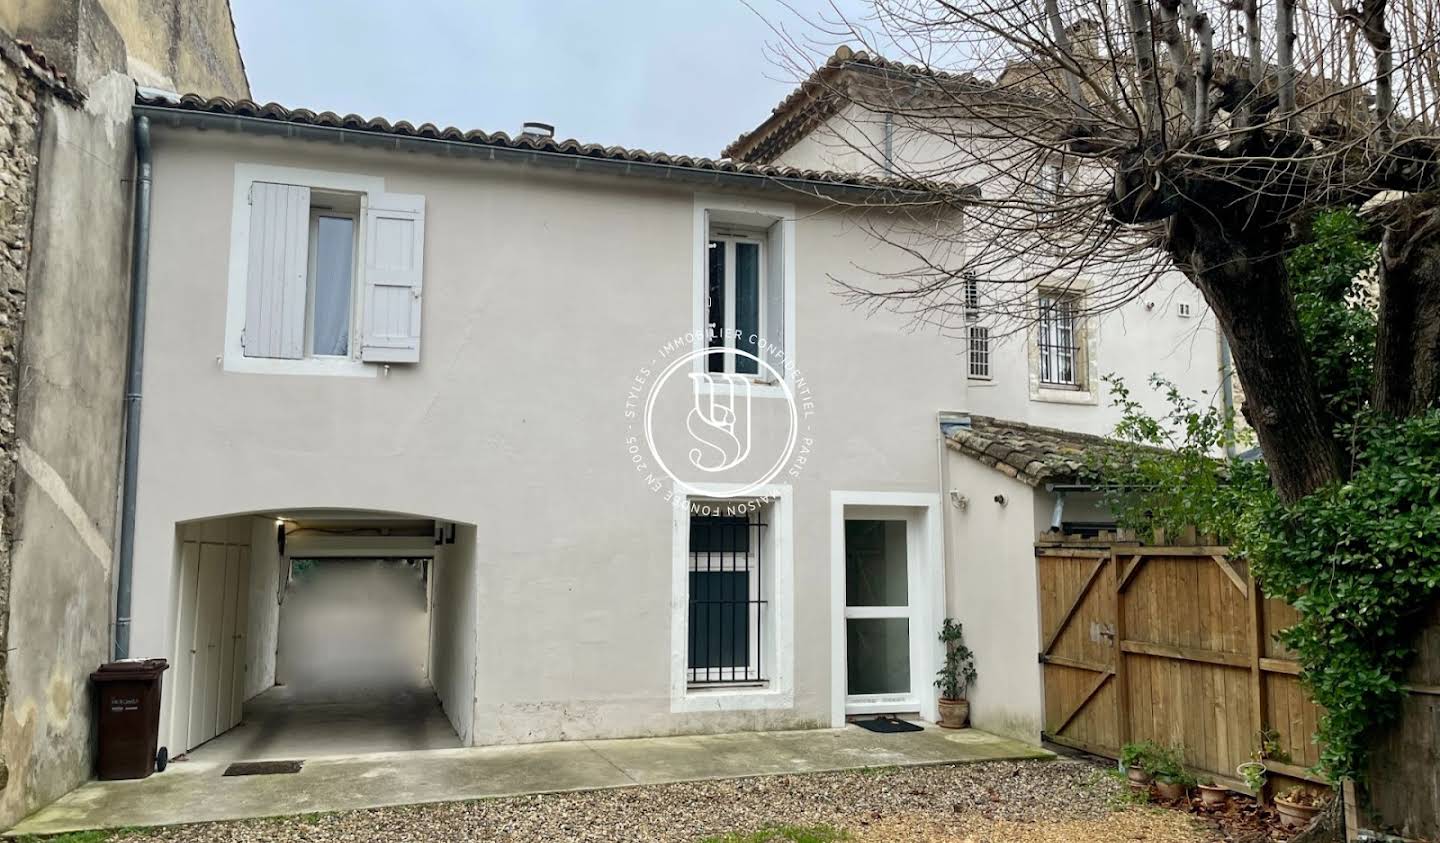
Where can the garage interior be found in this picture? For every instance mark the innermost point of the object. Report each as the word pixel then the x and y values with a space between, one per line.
pixel 321 633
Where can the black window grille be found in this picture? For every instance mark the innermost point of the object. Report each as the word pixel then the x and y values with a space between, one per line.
pixel 980 352
pixel 727 602
pixel 1058 341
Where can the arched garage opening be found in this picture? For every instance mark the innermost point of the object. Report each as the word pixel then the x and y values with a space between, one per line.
pixel 312 633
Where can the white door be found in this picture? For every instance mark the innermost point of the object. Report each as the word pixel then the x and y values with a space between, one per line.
pixel 224 703
pixel 238 643
pixel 883 570
pixel 210 609
pixel 182 683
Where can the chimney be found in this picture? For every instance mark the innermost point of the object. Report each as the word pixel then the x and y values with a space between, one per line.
pixel 533 129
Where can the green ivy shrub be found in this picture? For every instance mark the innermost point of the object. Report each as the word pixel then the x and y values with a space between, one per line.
pixel 1359 562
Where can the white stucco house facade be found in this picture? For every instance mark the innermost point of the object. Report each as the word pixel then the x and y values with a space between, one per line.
pixel 652 475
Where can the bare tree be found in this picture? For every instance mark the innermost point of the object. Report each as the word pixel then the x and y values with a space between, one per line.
pixel 1189 135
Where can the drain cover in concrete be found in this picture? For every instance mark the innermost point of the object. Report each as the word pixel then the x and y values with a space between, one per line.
pixel 262 768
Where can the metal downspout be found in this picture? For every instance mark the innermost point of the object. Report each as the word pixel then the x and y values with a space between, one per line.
pixel 1227 393
pixel 139 279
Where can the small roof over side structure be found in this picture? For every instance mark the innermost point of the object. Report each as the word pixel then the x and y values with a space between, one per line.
pixel 1034 455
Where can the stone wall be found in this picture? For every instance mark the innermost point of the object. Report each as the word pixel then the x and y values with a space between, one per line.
pixel 66 182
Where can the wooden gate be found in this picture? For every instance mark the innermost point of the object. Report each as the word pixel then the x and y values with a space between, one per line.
pixel 1170 644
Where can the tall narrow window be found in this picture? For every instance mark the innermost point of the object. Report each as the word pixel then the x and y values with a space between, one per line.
pixel 727 593
pixel 979 352
pixel 1058 340
pixel 736 311
pixel 1050 183
pixel 972 296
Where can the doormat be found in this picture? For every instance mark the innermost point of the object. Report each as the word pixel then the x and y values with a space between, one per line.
pixel 888 725
pixel 262 768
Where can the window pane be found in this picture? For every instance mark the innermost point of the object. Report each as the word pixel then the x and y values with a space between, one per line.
pixel 878 660
pixel 719 622
pixel 875 565
pixel 747 305
pixel 719 533
pixel 715 305
pixel 334 273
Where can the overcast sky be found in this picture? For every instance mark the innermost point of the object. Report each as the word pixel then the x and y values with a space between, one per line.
pixel 679 76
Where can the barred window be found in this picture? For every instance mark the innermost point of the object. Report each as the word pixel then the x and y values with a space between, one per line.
pixel 972 297
pixel 727 592
pixel 979 352
pixel 1058 340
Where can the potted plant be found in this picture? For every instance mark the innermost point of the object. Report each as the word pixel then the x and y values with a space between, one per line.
pixel 1253 774
pixel 955 677
pixel 1172 781
pixel 1213 795
pixel 1136 758
pixel 1297 806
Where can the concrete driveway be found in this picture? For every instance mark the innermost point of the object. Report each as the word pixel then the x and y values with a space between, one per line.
pixel 195 791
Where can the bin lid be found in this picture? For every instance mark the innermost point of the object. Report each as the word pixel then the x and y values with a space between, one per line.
pixel 127 669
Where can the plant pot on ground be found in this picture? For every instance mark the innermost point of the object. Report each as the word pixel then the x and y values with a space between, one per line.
pixel 1298 806
pixel 1213 795
pixel 1171 788
pixel 1135 758
pixel 955 677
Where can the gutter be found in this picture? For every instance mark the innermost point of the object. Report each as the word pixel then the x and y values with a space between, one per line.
pixel 265 127
pixel 135 362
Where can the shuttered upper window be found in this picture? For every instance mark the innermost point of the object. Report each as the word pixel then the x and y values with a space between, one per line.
pixel 333 274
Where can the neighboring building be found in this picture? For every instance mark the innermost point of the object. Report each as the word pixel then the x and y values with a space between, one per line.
pixel 1042 362
pixel 1035 390
pixel 68 70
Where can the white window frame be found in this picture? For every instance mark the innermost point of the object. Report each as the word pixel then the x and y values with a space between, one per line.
pixel 731 215
pixel 778 691
pixel 312 270
pixel 978 367
pixel 1084 367
pixel 232 356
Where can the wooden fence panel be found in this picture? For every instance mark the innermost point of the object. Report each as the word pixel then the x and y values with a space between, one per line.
pixel 1170 644
pixel 1404 776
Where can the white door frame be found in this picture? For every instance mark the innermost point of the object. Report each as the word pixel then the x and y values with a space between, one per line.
pixel 925 555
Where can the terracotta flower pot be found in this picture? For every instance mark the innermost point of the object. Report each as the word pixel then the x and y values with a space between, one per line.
pixel 1214 796
pixel 954 713
pixel 1293 815
pixel 1139 778
pixel 1170 791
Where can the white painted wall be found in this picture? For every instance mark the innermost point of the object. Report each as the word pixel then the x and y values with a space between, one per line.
pixel 453 597
pixel 545 294
pixel 1142 337
pixel 991 590
pixel 266 568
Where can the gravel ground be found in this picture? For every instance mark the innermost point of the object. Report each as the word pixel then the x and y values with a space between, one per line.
pixel 1063 801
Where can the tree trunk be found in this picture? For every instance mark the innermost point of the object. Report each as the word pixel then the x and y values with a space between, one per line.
pixel 1247 286
pixel 1407 340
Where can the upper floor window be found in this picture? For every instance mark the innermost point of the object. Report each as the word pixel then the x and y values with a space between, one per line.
pixel 736 287
pixel 1058 340
pixel 1050 183
pixel 745 283
pixel 331 274
pixel 977 335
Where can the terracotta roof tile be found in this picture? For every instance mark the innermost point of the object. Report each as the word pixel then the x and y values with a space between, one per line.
pixel 820 95
pixel 1032 454
pixel 540 143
